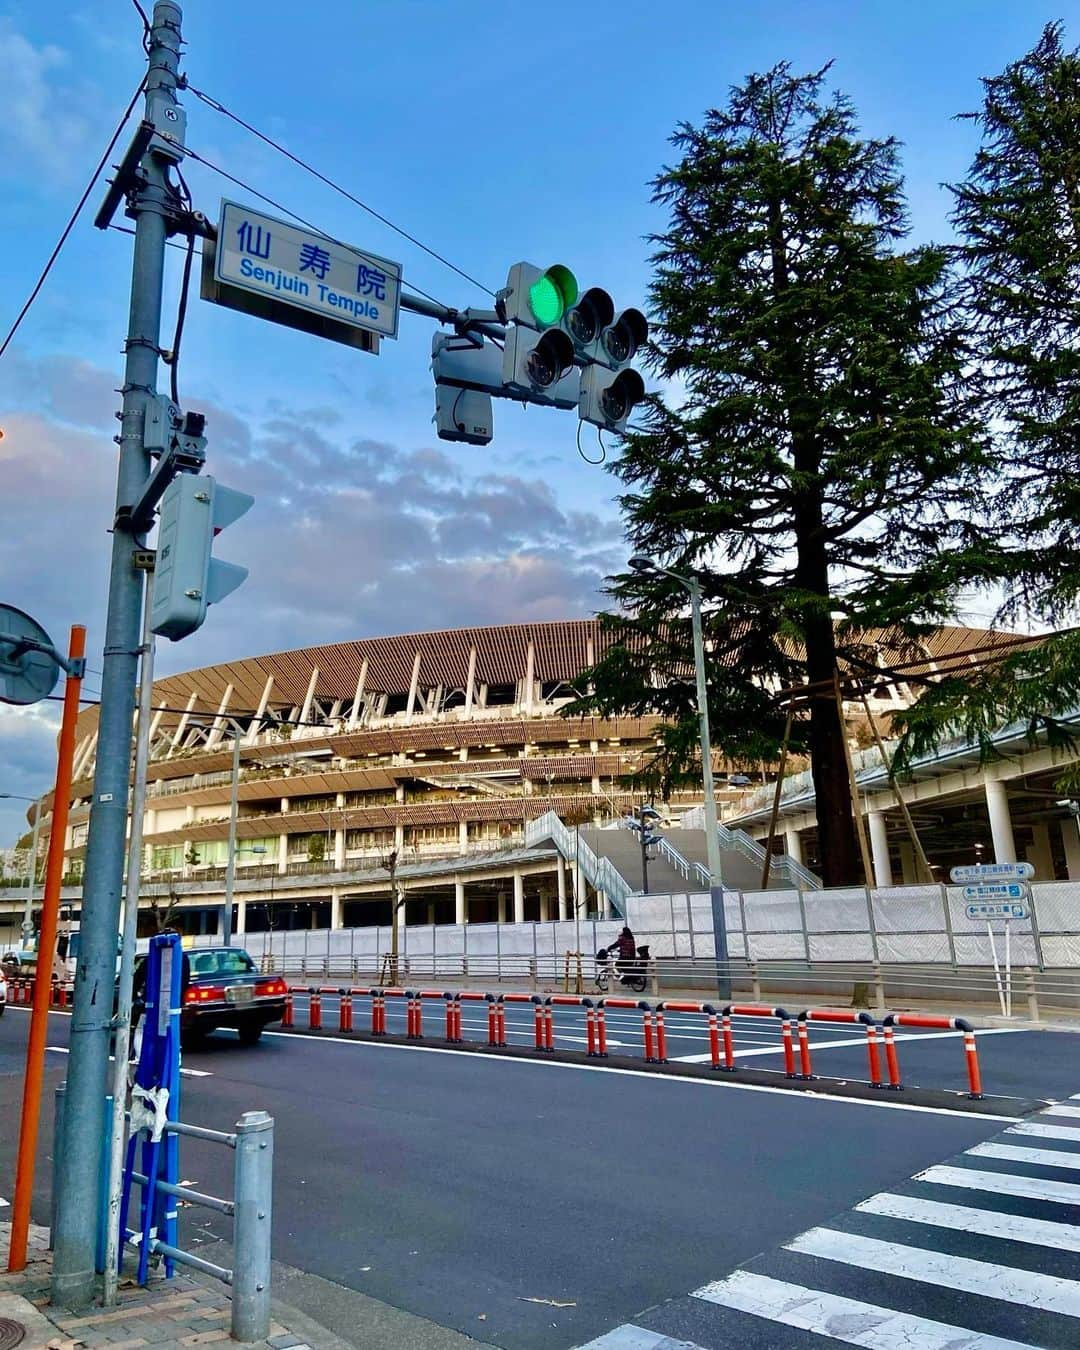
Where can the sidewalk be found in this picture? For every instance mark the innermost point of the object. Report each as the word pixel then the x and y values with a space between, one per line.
pixel 183 1311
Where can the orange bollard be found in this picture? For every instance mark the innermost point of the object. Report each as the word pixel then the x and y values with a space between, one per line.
pixel 590 1029
pixel 501 1017
pixel 789 1051
pixel 459 1035
pixel 601 1033
pixel 661 1036
pixel 972 1055
pixel 891 1061
pixel 287 1015
pixel 493 1025
pixel 538 1026
pixel 648 1034
pixel 729 1044
pixel 450 1021
pixel 804 1050
pixel 549 1029
pixel 344 1010
pixel 315 1010
pixel 714 1042
pixel 873 1056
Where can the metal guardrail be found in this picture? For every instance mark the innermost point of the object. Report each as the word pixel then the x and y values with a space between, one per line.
pixel 782 865
pixel 599 872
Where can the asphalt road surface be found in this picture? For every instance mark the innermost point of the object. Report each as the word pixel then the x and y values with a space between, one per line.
pixel 483 1193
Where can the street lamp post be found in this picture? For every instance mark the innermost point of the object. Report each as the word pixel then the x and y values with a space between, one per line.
pixel 31 870
pixel 692 586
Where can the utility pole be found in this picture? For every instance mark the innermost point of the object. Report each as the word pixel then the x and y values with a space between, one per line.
pixel 31 880
pixel 154 204
pixel 643 835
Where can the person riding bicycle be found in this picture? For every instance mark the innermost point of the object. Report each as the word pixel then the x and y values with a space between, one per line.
pixel 626 947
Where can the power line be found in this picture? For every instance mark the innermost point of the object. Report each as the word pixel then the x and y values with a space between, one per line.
pixel 329 182
pixel 71 222
pixel 279 206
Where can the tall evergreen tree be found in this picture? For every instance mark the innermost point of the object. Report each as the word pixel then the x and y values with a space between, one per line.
pixel 813 462
pixel 1018 217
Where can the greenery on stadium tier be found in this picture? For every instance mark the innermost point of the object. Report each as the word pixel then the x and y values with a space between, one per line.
pixel 853 433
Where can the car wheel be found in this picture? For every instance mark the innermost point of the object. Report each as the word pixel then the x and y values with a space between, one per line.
pixel 250 1032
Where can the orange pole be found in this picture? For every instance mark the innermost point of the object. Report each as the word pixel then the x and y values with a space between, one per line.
pixel 39 1018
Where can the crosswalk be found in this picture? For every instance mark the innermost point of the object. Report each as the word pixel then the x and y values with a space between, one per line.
pixel 981 1252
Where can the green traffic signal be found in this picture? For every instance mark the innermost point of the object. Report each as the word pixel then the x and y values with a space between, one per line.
pixel 552 294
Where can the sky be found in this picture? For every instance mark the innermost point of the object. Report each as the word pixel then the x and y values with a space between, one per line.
pixel 492 132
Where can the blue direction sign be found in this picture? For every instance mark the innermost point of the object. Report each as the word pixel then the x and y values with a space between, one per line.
pixel 1013 871
pixel 304 269
pixel 997 890
pixel 997 909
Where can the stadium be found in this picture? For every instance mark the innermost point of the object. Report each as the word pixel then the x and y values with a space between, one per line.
pixel 423 762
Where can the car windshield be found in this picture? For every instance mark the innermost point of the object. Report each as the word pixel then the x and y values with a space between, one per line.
pixel 231 962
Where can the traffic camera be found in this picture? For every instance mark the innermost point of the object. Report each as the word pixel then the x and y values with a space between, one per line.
pixel 187 578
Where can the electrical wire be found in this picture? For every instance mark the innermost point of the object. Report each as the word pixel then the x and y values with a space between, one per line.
pixel 329 182
pixel 279 206
pixel 71 221
pixel 181 314
pixel 145 24
pixel 582 453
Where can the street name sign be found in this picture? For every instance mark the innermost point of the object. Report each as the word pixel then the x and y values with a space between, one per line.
pixel 301 278
pixel 1013 871
pixel 997 909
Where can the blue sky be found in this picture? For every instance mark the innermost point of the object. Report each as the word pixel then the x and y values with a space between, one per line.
pixel 482 133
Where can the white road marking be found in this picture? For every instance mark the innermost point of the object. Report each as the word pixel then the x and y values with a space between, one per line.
pixel 1029 1288
pixel 807 1095
pixel 1040 1157
pixel 3 1202
pixel 629 1337
pixel 1058 1110
pixel 843 1319
pixel 1002 1183
pixel 186 1073
pixel 1033 1127
pixel 986 1222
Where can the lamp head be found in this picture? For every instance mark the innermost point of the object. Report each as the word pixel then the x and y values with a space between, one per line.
pixel 640 563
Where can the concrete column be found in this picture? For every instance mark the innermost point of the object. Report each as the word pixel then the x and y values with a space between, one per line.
pixel 431 911
pixel 283 853
pixel 908 874
pixel 461 909
pixel 519 897
pixel 501 902
pixel 1039 854
pixel 284 806
pixel 879 845
pixel 606 910
pixel 545 906
pixel 560 878
pixel 463 836
pixel 399 838
pixel 596 785
pixel 1070 838
pixel 1001 831
pixel 240 927
pixel 339 850
pixel 793 845
pixel 335 909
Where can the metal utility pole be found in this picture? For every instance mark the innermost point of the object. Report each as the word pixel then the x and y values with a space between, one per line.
pixel 31 880
pixel 692 586
pixel 643 834
pixel 152 203
pixel 230 862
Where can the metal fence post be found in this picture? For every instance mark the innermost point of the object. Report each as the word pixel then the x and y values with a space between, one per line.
pixel 254 1189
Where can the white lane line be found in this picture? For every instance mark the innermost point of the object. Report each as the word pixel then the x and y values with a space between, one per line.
pixel 843 1319
pixel 1002 1183
pixel 1028 1288
pixel 1040 1157
pixel 816 1045
pixel 986 1222
pixel 187 1073
pixel 1033 1127
pixel 3 1203
pixel 1058 1110
pixel 629 1337
pixel 808 1094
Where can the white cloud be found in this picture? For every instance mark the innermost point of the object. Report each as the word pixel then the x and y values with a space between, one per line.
pixel 48 115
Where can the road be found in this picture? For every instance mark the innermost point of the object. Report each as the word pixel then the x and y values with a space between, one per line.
pixel 460 1187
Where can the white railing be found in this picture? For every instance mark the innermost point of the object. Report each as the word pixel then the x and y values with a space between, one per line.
pixel 599 872
pixel 782 867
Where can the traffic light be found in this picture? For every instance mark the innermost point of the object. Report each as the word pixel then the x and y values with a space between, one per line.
pixel 187 578
pixel 465 370
pixel 612 390
pixel 537 297
pixel 541 364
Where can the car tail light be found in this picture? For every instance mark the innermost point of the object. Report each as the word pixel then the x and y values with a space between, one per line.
pixel 275 986
pixel 204 993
